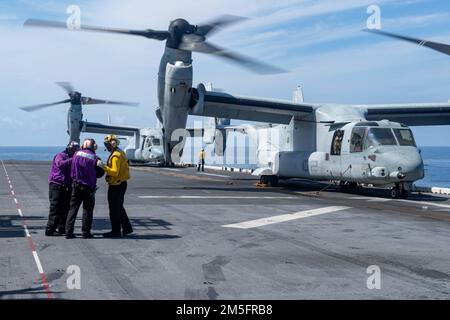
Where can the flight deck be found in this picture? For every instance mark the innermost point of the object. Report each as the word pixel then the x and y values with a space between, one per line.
pixel 216 235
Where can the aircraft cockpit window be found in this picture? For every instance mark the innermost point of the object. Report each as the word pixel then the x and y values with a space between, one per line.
pixel 356 142
pixel 379 137
pixel 405 137
pixel 148 143
pixel 156 142
pixel 336 146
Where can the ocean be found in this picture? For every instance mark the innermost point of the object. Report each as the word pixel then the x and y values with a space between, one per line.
pixel 436 160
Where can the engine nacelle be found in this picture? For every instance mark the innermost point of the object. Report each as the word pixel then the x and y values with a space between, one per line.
pixel 178 85
pixel 177 97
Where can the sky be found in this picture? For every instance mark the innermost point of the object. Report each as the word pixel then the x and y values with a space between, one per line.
pixel 319 42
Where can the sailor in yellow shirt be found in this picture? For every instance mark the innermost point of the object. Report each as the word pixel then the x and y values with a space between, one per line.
pixel 201 160
pixel 117 174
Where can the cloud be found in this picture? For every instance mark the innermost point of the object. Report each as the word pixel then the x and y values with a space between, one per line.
pixel 8 122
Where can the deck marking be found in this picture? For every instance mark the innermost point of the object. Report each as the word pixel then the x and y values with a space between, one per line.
pixel 38 262
pixel 285 217
pixel 215 175
pixel 30 240
pixel 213 197
pixel 379 200
pixel 427 203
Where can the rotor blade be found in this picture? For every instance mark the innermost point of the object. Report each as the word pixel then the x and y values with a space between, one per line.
pixel 150 34
pixel 249 63
pixel 440 47
pixel 67 86
pixel 42 106
pixel 220 22
pixel 91 101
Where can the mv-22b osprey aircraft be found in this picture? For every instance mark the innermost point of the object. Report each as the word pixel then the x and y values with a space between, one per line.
pixel 144 144
pixel 370 144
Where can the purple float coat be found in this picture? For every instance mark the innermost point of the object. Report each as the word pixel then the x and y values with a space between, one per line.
pixel 60 172
pixel 83 170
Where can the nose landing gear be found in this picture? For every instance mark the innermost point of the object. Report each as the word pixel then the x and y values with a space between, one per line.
pixel 399 191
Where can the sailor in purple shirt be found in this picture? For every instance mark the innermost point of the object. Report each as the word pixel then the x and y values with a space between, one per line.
pixel 60 189
pixel 84 173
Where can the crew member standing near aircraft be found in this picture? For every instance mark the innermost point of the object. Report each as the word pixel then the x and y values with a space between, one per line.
pixel 84 174
pixel 60 190
pixel 201 160
pixel 117 174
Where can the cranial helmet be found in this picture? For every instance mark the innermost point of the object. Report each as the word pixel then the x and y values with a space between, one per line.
pixel 89 144
pixel 111 141
pixel 72 147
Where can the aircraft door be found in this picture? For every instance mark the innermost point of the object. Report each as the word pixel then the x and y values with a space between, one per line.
pixel 147 147
pixel 335 154
pixel 357 157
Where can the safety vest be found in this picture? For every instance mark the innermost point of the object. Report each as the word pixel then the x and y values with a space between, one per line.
pixel 117 168
pixel 202 155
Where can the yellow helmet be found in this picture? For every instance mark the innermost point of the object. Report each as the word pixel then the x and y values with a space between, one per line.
pixel 111 140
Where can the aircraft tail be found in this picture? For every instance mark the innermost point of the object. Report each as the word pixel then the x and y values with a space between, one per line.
pixel 215 133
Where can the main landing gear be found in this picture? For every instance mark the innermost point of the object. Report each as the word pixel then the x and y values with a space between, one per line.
pixel 399 191
pixel 348 186
pixel 269 181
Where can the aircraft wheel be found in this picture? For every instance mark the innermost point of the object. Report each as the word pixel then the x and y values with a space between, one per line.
pixel 343 185
pixel 395 193
pixel 264 180
pixel 404 194
pixel 273 181
pixel 352 185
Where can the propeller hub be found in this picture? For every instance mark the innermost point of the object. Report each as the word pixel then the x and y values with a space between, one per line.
pixel 75 98
pixel 177 29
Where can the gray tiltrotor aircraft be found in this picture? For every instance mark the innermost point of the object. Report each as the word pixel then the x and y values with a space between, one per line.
pixel 175 71
pixel 75 123
pixel 369 144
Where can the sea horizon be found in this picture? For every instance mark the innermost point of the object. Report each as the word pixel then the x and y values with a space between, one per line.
pixel 437 165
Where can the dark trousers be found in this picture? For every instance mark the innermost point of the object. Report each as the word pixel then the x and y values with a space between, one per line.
pixel 85 195
pixel 117 214
pixel 201 165
pixel 59 197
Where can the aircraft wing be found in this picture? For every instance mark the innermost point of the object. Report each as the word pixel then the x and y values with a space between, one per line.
pixel 93 127
pixel 223 105
pixel 427 114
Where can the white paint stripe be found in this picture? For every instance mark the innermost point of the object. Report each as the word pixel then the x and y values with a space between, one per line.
pixel 172 169
pixel 12 192
pixel 214 175
pixel 38 262
pixel 379 200
pixel 427 203
pixel 212 197
pixel 285 217
pixel 35 255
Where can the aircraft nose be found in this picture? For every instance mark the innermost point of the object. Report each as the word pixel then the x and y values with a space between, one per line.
pixel 158 153
pixel 408 165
